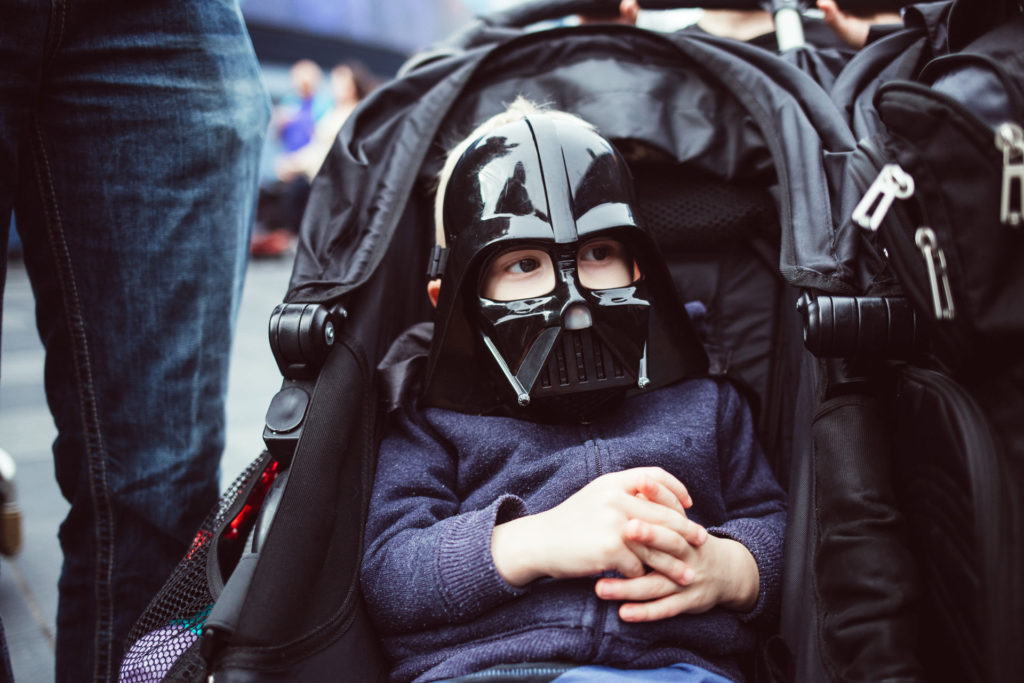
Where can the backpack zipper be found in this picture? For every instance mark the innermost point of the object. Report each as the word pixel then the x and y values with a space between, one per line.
pixel 894 183
pixel 891 183
pixel 1010 140
pixel 938 278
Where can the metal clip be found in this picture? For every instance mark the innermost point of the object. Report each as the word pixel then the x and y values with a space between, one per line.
pixel 1010 140
pixel 892 183
pixel 643 381
pixel 438 259
pixel 935 261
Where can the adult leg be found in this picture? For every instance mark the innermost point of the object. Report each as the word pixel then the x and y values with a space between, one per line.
pixel 136 195
pixel 20 67
pixel 21 59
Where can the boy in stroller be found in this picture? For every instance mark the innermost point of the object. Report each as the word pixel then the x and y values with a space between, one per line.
pixel 540 453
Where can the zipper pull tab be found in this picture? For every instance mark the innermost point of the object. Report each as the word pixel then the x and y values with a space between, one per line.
pixel 892 183
pixel 1010 140
pixel 935 261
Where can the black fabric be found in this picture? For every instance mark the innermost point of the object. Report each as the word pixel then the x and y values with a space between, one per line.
pixel 816 33
pixel 303 598
pixel 971 18
pixel 958 170
pixel 822 57
pixel 957 452
pixel 721 243
pixel 900 54
pixel 943 138
pixel 865 579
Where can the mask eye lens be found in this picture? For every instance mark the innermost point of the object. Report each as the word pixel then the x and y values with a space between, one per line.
pixel 518 274
pixel 605 264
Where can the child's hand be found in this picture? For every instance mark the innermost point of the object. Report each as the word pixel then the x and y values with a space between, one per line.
pixel 620 521
pixel 724 573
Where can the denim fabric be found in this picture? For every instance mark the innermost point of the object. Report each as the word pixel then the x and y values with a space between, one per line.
pixel 130 135
pixel 677 673
pixel 560 673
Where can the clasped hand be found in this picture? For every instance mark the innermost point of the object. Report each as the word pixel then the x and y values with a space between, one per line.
pixel 633 522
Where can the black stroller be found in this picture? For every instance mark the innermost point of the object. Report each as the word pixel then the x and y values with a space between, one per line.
pixel 740 160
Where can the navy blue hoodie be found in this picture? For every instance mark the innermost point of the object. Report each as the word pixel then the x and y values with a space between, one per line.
pixel 444 479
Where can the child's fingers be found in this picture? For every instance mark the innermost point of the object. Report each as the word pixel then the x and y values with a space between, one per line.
pixel 657 492
pixel 631 568
pixel 670 482
pixel 651 490
pixel 668 564
pixel 637 532
pixel 620 556
pixel 637 478
pixel 660 515
pixel 662 608
pixel 650 586
pixel 652 597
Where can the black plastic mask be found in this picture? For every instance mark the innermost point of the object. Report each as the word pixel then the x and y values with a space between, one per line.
pixel 552 185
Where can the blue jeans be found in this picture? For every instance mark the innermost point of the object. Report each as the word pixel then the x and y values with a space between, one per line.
pixel 130 135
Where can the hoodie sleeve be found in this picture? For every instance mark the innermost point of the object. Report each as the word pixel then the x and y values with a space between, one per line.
pixel 755 503
pixel 426 563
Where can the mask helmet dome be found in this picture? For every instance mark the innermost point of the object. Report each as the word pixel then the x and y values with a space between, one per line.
pixel 551 182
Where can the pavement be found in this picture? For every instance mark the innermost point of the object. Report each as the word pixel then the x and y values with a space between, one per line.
pixel 28 582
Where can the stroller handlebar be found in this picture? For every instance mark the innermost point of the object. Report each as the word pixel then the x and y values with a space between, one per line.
pixel 542 10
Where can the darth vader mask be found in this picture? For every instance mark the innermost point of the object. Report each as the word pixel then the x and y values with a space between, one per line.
pixel 550 290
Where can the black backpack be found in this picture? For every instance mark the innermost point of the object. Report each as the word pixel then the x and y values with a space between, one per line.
pixel 945 197
pixel 939 218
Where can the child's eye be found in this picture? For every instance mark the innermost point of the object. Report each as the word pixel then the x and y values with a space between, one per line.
pixel 518 274
pixel 602 251
pixel 524 266
pixel 604 264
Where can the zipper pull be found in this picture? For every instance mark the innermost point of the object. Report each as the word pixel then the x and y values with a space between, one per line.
pixel 1010 139
pixel 935 261
pixel 892 183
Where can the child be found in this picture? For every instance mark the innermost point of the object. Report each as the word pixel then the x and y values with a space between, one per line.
pixel 543 497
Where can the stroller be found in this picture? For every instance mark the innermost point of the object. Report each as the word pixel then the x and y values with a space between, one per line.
pixel 738 157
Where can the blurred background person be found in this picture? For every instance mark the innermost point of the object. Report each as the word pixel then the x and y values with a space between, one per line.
pixel 295 117
pixel 836 29
pixel 283 200
pixel 858 30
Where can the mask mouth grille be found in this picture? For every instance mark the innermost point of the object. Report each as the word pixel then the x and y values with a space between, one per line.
pixel 580 362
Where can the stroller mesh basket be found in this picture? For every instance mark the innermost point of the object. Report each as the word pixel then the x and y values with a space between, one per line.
pixel 164 643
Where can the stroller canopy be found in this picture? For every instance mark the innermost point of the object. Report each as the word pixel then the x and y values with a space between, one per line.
pixel 722 108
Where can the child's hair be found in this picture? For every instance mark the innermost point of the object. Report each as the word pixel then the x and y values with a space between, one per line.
pixel 518 110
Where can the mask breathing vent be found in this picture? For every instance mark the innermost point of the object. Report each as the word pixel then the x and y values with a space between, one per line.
pixel 580 362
